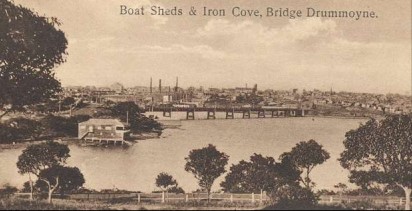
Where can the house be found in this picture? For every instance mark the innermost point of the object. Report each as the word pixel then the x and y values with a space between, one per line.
pixel 104 130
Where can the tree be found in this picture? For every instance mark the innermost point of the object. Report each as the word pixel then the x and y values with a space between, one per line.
pixel 122 108
pixel 165 181
pixel 62 126
pixel 30 47
pixel 36 158
pixel 381 152
pixel 26 128
pixel 260 174
pixel 306 156
pixel 206 164
pixel 60 178
pixel 131 113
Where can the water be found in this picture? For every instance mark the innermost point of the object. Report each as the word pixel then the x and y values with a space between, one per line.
pixel 136 167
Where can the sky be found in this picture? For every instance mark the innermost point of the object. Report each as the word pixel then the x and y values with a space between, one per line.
pixel 104 47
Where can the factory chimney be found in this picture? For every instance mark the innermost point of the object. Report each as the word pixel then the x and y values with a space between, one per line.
pixel 151 85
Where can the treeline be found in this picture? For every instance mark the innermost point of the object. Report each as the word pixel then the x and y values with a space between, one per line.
pixel 23 129
pixel 52 126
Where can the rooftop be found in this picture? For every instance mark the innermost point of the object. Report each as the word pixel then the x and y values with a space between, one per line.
pixel 104 122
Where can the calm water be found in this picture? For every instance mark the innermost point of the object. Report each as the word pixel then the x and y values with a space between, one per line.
pixel 136 168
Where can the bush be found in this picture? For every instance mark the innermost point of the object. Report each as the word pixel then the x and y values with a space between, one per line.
pixel 293 197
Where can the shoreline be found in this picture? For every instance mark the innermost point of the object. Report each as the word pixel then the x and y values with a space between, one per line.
pixel 148 136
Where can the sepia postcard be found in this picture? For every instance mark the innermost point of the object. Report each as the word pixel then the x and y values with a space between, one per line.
pixel 217 104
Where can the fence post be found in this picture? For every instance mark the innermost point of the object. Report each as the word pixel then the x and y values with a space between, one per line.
pixel 400 201
pixel 187 197
pixel 261 196
pixel 253 198
pixel 138 198
pixel 231 198
pixel 331 199
pixel 163 197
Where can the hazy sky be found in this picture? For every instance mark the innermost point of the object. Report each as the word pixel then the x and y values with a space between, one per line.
pixel 367 55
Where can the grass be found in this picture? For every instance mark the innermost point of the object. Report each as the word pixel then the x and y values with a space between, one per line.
pixel 25 204
pixel 128 204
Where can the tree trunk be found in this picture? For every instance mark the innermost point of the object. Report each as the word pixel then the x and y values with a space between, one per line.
pixel 50 196
pixel 306 180
pixel 407 198
pixel 31 187
pixel 51 188
pixel 208 195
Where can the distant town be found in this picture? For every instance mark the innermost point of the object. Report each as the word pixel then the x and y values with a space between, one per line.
pixel 320 102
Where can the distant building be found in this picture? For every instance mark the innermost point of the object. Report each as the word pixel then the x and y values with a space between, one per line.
pixel 117 87
pixel 106 130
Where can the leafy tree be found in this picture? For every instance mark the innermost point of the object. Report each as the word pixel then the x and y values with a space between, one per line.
pixel 8 134
pixel 165 181
pixel 36 158
pixel 68 101
pixel 60 178
pixel 130 112
pixel 20 129
pixel 206 164
pixel 56 126
pixel 381 152
pixel 260 174
pixel 26 128
pixel 306 156
pixel 122 108
pixel 30 47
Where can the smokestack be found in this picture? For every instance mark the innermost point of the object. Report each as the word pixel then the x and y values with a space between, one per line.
pixel 160 85
pixel 177 83
pixel 151 85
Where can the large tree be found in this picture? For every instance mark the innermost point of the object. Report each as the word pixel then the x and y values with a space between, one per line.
pixel 306 156
pixel 206 164
pixel 381 152
pixel 30 47
pixel 39 157
pixel 259 174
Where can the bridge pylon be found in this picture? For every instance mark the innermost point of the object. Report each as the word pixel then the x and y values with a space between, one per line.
pixel 246 114
pixel 230 113
pixel 190 114
pixel 211 114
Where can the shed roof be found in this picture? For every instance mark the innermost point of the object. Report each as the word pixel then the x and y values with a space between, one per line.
pixel 104 122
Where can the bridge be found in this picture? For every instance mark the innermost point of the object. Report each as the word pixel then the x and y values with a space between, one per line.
pixel 259 112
